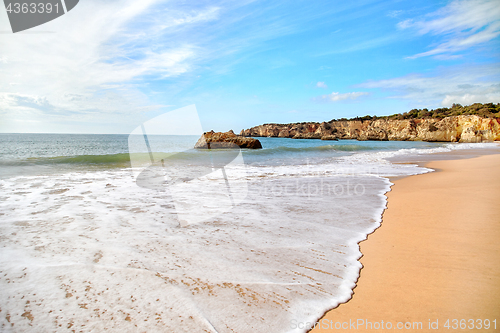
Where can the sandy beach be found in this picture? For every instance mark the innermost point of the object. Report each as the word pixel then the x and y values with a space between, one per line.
pixel 435 257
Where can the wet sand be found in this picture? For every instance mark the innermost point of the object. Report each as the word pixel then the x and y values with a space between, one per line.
pixel 435 257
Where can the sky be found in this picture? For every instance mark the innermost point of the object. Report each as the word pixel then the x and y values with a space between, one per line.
pixel 109 65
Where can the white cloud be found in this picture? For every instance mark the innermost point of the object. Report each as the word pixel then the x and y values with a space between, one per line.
pixel 467 99
pixel 321 85
pixel 405 24
pixel 394 13
pixel 95 60
pixel 335 96
pixel 461 24
pixel 458 84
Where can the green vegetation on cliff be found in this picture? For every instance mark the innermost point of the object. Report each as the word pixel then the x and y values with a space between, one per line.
pixel 488 110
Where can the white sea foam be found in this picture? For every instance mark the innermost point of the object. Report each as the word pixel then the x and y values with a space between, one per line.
pixel 95 251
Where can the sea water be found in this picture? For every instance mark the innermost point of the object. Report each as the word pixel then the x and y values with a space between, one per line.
pixel 85 247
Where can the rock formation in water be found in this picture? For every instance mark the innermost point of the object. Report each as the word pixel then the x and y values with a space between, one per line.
pixel 220 140
pixel 463 128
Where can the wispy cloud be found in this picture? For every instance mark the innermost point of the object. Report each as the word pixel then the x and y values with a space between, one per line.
pixel 336 97
pixel 94 63
pixel 394 13
pixel 321 85
pixel 459 26
pixel 458 84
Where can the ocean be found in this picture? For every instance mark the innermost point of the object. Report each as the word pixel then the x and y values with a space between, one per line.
pixel 109 233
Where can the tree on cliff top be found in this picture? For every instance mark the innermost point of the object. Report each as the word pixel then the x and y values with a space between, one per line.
pixel 488 110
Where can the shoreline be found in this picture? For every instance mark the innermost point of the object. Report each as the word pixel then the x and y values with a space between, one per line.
pixel 437 263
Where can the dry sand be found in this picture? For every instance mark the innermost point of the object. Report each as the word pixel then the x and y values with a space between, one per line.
pixel 436 255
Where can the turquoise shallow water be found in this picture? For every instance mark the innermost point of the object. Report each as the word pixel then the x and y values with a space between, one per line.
pixel 24 146
pixel 42 153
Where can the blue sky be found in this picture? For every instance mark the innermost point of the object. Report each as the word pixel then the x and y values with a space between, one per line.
pixel 107 66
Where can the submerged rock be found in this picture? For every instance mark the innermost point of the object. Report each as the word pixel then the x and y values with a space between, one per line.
pixel 227 140
pixel 307 136
pixel 330 137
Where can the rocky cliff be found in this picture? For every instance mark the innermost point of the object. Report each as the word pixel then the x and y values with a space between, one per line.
pixel 450 129
pixel 227 140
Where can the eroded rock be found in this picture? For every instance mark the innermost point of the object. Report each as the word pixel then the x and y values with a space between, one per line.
pixel 227 140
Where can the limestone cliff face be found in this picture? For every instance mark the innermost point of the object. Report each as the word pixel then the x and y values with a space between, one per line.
pixel 449 129
pixel 227 140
